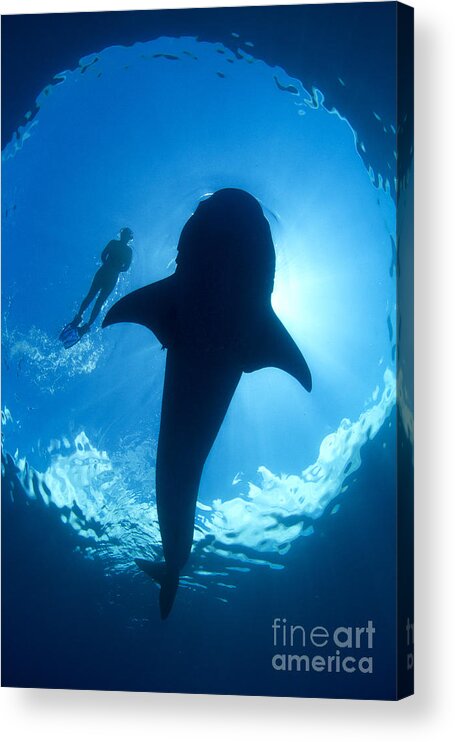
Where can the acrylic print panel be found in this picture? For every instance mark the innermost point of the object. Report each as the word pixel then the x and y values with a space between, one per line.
pixel 140 120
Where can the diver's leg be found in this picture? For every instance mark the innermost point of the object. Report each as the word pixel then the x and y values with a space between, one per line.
pixel 105 288
pixel 93 290
pixel 197 392
pixel 102 298
pixel 107 284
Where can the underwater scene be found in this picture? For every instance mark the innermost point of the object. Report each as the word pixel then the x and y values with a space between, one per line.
pixel 294 515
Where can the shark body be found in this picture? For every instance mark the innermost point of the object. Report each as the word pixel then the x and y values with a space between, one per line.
pixel 214 316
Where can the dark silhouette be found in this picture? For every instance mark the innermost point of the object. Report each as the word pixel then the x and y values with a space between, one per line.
pixel 214 315
pixel 115 258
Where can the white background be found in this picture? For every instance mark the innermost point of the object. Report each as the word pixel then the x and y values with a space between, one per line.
pixel 50 715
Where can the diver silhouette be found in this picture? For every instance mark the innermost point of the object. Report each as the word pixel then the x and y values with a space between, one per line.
pixel 115 258
pixel 214 315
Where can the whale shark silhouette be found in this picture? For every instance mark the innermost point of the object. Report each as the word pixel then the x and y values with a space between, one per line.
pixel 214 316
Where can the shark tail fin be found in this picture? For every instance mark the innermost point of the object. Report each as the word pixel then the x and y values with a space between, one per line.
pixel 167 579
pixel 152 306
pixel 273 346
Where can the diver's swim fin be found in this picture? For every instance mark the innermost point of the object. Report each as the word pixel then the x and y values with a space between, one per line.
pixel 67 330
pixel 71 335
pixel 166 579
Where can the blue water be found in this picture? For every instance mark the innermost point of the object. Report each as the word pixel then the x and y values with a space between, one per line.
pixel 296 510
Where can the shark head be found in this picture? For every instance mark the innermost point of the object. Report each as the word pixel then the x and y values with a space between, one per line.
pixel 227 245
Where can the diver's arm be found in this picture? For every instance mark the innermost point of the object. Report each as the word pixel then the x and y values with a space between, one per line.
pixel 127 262
pixel 105 253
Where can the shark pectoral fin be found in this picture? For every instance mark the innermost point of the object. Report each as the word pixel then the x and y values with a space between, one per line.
pixel 272 346
pixel 167 579
pixel 152 306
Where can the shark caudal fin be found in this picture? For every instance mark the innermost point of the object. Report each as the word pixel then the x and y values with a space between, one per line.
pixel 152 306
pixel 272 346
pixel 166 579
